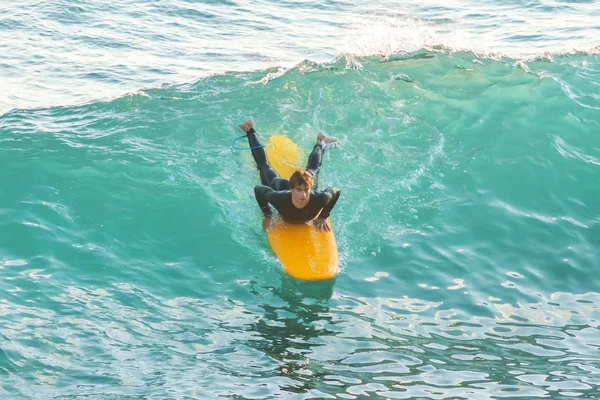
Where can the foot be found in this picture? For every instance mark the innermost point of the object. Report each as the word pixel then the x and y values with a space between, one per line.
pixel 321 137
pixel 246 126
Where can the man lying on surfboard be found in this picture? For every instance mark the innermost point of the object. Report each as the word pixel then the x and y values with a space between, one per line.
pixel 297 200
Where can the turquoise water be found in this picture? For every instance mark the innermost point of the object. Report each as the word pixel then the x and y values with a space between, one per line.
pixel 132 260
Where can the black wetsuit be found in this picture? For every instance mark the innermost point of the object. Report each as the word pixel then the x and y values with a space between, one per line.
pixel 275 190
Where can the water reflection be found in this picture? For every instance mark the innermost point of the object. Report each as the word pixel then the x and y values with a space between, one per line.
pixel 280 343
pixel 407 348
pixel 287 332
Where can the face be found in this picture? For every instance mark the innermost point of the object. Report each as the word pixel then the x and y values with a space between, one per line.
pixel 300 195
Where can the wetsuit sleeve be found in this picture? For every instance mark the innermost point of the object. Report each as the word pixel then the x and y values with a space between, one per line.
pixel 330 197
pixel 262 194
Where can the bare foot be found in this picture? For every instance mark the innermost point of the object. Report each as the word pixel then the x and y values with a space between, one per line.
pixel 246 126
pixel 321 137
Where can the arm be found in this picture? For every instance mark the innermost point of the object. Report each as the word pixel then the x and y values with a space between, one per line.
pixel 330 197
pixel 262 192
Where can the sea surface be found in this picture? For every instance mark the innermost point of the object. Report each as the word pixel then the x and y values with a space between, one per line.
pixel 133 265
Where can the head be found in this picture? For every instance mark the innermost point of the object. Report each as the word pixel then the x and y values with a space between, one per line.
pixel 301 183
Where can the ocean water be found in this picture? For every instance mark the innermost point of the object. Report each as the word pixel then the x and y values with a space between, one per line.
pixel 132 260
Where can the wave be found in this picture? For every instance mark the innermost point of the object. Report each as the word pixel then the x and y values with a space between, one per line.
pixel 466 226
pixel 572 60
pixel 426 118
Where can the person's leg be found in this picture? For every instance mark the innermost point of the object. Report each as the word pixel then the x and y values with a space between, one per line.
pixel 316 156
pixel 280 184
pixel 314 163
pixel 267 174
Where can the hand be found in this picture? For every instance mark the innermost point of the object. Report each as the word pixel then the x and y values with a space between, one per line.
pixel 321 225
pixel 266 224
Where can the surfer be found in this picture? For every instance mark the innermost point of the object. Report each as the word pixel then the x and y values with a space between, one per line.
pixel 296 199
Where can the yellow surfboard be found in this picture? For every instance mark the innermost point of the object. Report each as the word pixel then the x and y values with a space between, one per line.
pixel 303 252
